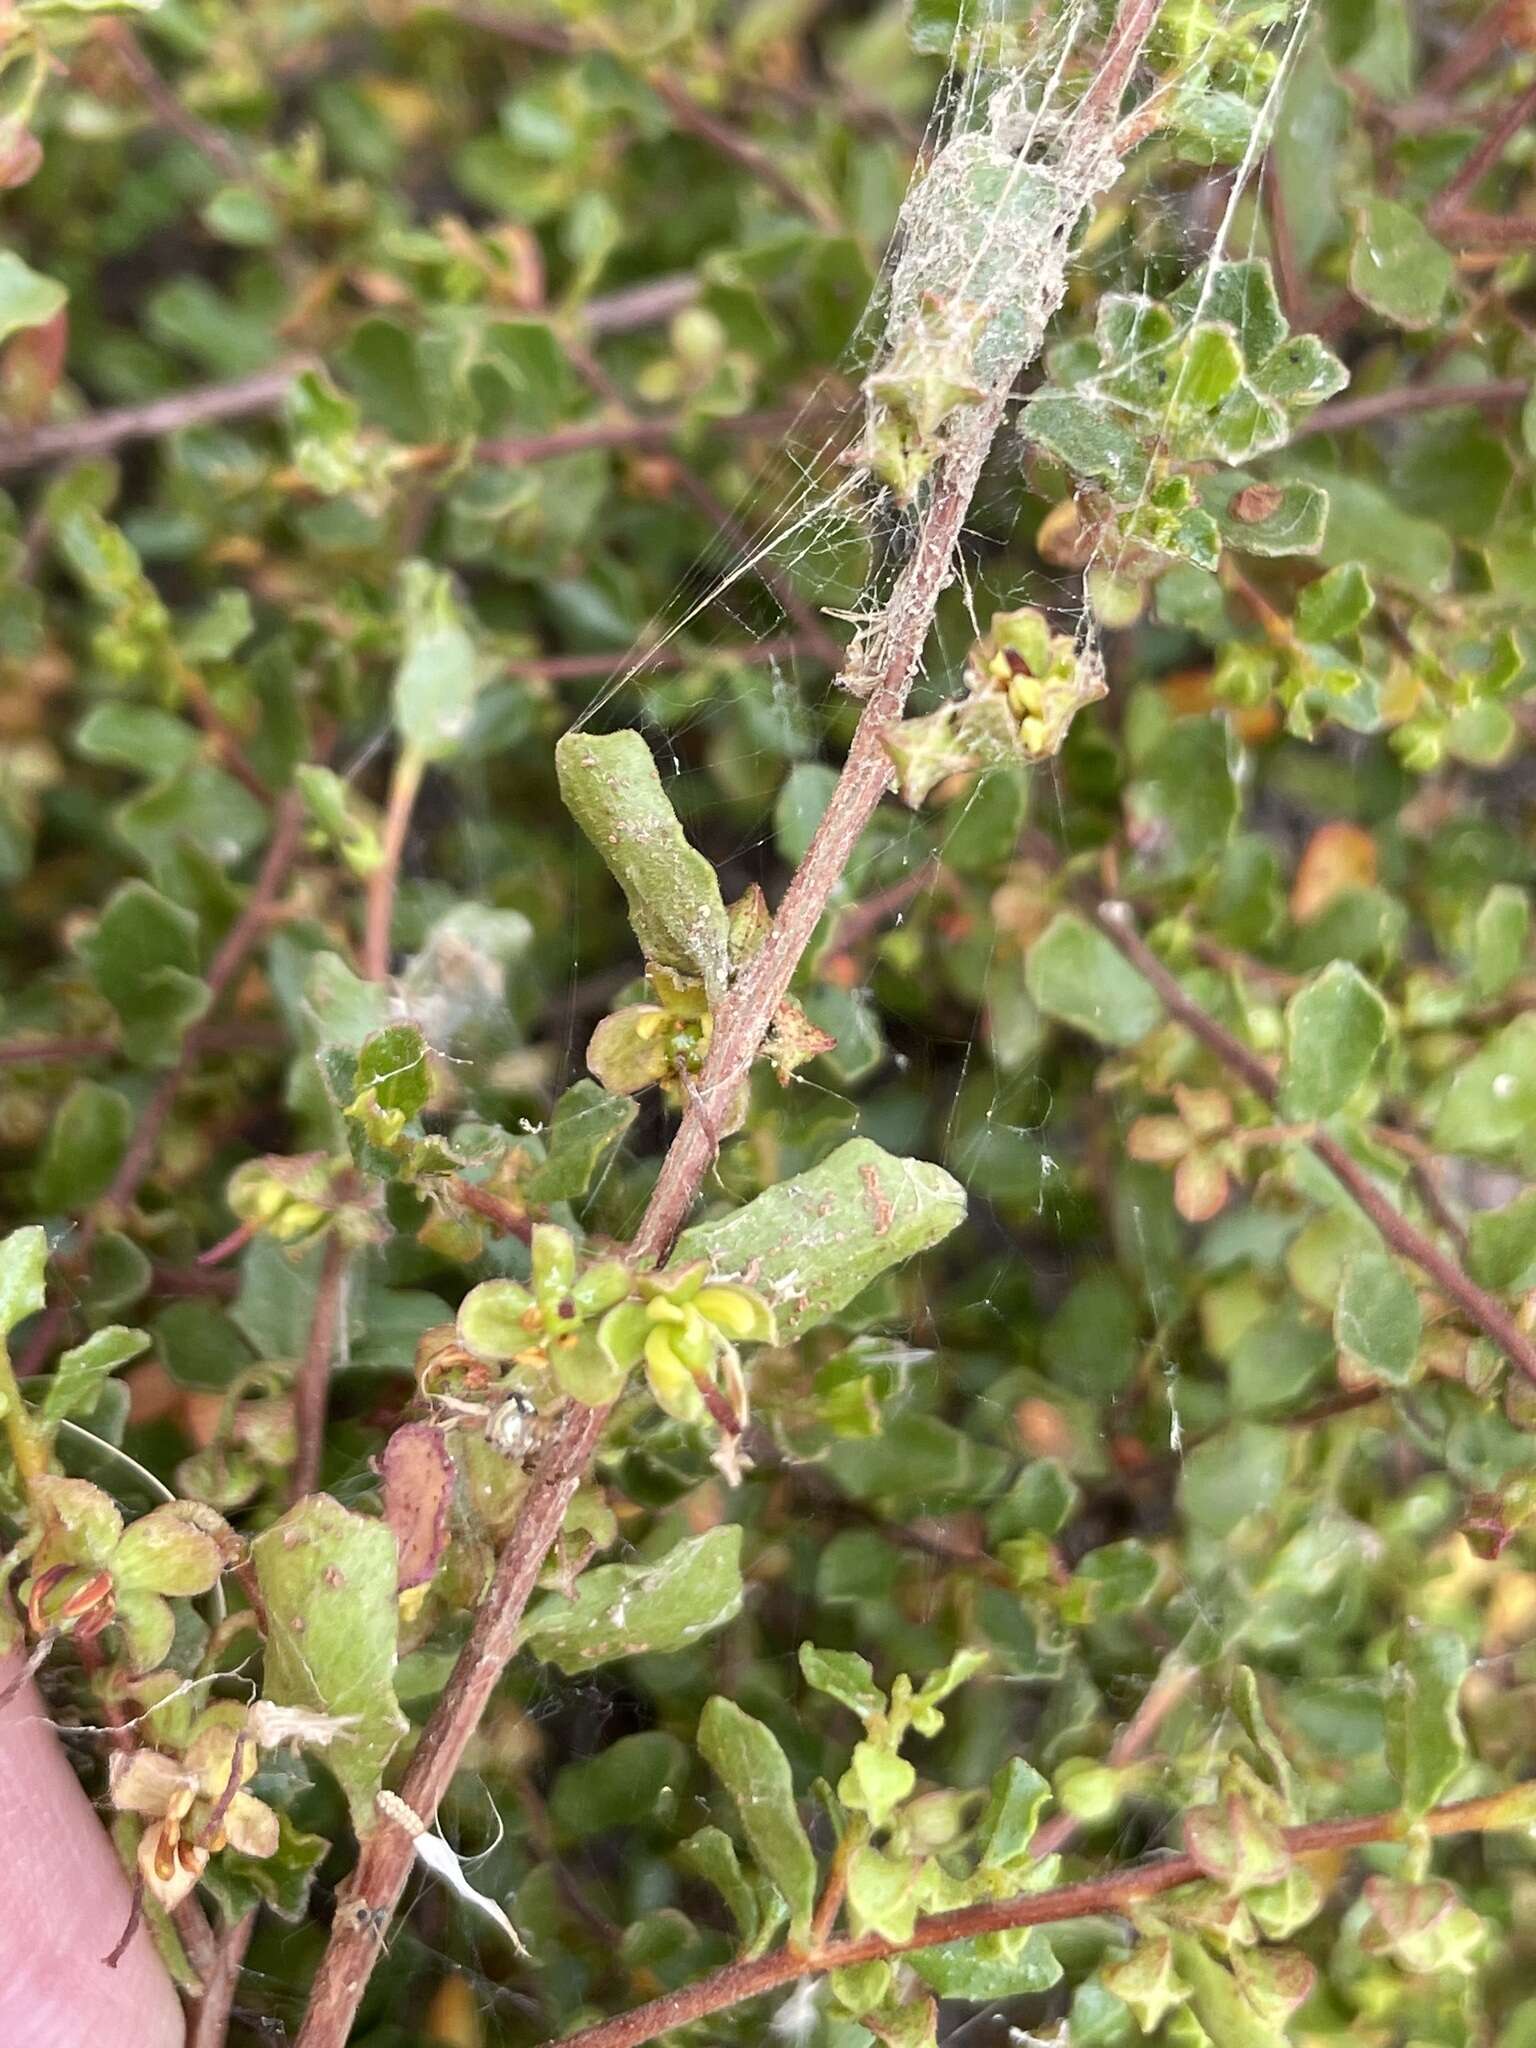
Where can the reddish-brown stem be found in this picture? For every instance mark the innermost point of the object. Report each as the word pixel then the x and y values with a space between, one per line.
pixel 1472 231
pixel 1344 413
pixel 387 1852
pixel 312 1386
pixel 404 786
pixel 803 616
pixel 1114 1893
pixel 580 437
pixel 1288 274
pixel 100 431
pixel 1450 200
pixel 69 1052
pixel 1467 55
pixel 210 2016
pixel 620 312
pixel 748 1011
pixel 509 1221
pixel 1134 1739
pixel 238 943
pixel 861 920
pixel 167 108
pixel 1114 919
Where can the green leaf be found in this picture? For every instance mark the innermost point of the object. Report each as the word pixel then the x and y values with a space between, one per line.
pixel 745 1755
pixel 74 1386
pixel 885 1211
pixel 587 1125
pixel 1489 1109
pixel 1502 1244
pixel 328 1582
pixel 1236 1473
pixel 635 1780
pixel 392 1065
pixel 281 1881
pixel 711 1855
pixel 991 1967
pixel 440 672
pixel 609 784
pixel 1008 1825
pixel 1074 973
pixel 142 956
pixel 1396 266
pixel 1426 1743
pixel 85 1146
pixel 1336 605
pixel 882 1892
pixel 167 1553
pixel 1501 934
pixel 27 298
pixel 1092 1342
pixel 23 1265
pixel 629 1610
pixel 1116 1578
pixel 1212 367
pixel 1218 2001
pixel 1377 1319
pixel 988 1969
pixel 1266 519
pixel 876 1782
pixel 1334 1029
pixel 1183 804
pixel 1085 436
pixel 843 1676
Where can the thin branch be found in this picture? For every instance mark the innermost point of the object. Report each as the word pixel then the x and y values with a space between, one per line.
pixel 210 2022
pixel 99 432
pixel 1472 231
pixel 388 1851
pixel 1115 1893
pixel 801 614
pixel 1450 200
pixel 756 161
pixel 1114 919
pixel 1344 413
pixel 102 1045
pixel 314 1377
pixel 168 108
pixel 638 305
pixel 1468 53
pixel 580 437
pixel 509 1221
pixel 404 785
pixel 688 113
pixel 748 1011
pixel 861 921
pixel 239 942
pixel 1165 1692
pixel 619 312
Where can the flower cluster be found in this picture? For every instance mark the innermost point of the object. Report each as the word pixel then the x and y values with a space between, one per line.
pixel 588 1327
pixel 1024 686
pixel 196 1802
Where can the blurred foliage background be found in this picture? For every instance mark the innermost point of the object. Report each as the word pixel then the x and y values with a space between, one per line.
pixel 448 374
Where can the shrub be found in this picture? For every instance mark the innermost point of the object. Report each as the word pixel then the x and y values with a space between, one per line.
pixel 768 1072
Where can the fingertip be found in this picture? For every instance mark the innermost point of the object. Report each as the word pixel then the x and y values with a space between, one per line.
pixel 64 1901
